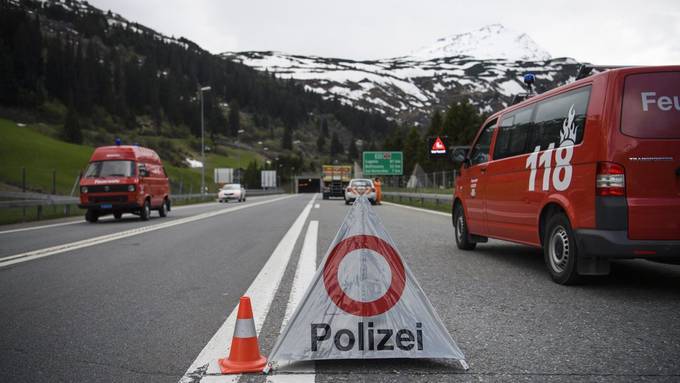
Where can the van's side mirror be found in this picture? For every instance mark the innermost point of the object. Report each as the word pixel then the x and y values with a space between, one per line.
pixel 459 153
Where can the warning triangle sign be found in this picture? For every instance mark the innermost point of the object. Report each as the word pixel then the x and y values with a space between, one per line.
pixel 363 303
pixel 438 146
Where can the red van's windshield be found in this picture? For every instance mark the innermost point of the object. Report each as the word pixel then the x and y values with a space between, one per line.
pixel 651 105
pixel 110 169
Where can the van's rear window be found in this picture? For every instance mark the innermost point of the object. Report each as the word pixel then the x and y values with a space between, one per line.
pixel 651 105
pixel 110 169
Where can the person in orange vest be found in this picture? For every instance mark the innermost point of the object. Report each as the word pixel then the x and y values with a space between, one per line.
pixel 378 190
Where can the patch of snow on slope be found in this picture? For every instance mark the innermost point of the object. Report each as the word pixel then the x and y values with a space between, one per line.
pixel 489 42
pixel 510 88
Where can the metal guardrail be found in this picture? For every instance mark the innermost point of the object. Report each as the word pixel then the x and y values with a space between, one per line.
pixel 421 197
pixel 29 199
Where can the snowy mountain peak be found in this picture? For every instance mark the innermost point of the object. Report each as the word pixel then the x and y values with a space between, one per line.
pixel 489 42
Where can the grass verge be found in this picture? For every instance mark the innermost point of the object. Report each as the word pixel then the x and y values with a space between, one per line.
pixel 48 163
pixel 431 205
pixel 419 190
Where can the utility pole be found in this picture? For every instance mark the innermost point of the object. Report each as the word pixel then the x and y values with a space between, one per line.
pixel 200 92
pixel 238 147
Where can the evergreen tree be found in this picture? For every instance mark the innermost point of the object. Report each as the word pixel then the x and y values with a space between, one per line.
pixel 395 141
pixel 414 149
pixel 324 128
pixel 234 118
pixel 461 123
pixel 353 151
pixel 320 143
pixel 372 147
pixel 251 176
pixel 72 131
pixel 287 139
pixel 336 146
pixel 435 128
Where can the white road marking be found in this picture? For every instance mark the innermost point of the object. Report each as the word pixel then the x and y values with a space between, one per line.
pixel 304 274
pixel 182 207
pixel 317 206
pixel 261 293
pixel 418 209
pixel 41 253
pixel 41 227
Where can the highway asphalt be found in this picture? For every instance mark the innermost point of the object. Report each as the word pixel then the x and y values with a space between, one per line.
pixel 142 307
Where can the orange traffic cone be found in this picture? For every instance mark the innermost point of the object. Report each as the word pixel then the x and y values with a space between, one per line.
pixel 244 355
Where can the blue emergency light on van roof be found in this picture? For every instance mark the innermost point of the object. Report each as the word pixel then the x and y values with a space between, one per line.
pixel 118 141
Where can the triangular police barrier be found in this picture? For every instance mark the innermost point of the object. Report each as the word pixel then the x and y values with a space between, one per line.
pixel 363 303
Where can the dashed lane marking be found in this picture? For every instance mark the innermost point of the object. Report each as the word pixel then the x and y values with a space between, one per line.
pixel 304 274
pixel 261 293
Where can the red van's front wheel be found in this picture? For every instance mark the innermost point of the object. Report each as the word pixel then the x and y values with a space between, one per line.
pixel 559 250
pixel 463 240
pixel 145 213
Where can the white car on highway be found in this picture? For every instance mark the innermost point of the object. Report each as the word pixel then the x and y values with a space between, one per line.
pixel 358 187
pixel 231 191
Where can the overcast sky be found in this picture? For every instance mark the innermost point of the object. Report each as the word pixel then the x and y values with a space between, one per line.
pixel 641 32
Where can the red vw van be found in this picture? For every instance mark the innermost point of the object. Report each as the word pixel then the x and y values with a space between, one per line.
pixel 589 171
pixel 124 179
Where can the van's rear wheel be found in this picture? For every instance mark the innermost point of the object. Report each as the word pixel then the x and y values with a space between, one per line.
pixel 460 228
pixel 145 213
pixel 91 216
pixel 161 210
pixel 559 250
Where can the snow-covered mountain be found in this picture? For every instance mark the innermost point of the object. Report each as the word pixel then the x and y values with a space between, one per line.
pixel 490 42
pixel 484 67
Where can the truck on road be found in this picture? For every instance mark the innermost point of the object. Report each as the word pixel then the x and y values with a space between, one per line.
pixel 335 178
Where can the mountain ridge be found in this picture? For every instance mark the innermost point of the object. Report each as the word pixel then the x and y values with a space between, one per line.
pixel 409 88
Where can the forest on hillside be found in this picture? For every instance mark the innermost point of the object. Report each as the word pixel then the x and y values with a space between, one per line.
pixel 84 67
pixel 99 69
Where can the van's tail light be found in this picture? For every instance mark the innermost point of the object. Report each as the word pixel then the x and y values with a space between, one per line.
pixel 610 179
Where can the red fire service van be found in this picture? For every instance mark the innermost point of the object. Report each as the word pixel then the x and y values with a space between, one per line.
pixel 124 179
pixel 589 171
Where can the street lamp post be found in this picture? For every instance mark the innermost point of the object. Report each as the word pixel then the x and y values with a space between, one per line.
pixel 200 92
pixel 238 147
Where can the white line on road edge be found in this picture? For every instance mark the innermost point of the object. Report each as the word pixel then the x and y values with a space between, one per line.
pixel 35 254
pixel 174 208
pixel 261 293
pixel 41 227
pixel 304 273
pixel 418 209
